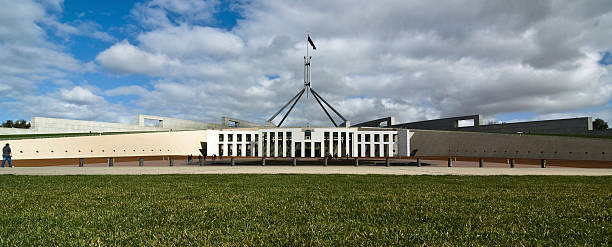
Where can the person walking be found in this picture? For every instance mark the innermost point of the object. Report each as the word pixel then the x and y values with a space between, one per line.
pixel 6 155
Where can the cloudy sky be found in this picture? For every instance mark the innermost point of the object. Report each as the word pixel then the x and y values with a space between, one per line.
pixel 200 60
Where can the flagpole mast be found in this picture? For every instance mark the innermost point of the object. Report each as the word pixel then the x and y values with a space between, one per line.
pixel 308 88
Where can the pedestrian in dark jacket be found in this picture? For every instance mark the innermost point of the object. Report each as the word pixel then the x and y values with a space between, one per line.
pixel 6 155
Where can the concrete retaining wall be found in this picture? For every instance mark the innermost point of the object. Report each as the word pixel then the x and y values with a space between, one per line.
pixel 43 125
pixel 557 126
pixel 123 145
pixel 490 145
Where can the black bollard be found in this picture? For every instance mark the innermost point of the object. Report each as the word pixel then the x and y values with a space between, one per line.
pixel 171 160
pixel 141 162
pixel 511 163
pixel 418 162
pixel 480 162
pixel 387 163
pixel 294 161
pixel 81 162
pixel 233 161
pixel 356 161
pixel 543 163
pixel 111 161
pixel 450 162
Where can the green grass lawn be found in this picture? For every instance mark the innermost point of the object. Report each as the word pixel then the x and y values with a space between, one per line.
pixel 305 210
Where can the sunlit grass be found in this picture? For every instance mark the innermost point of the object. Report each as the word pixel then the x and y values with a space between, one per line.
pixel 304 210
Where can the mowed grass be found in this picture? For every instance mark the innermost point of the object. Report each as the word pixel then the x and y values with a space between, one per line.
pixel 305 210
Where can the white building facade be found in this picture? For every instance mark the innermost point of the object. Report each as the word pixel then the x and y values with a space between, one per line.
pixel 308 142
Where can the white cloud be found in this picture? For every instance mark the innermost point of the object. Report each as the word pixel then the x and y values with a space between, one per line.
pixel 26 57
pixel 80 96
pixel 409 59
pixel 126 58
pixel 192 42
pixel 160 13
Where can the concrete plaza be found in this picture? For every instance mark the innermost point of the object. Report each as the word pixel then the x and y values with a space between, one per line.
pixel 359 170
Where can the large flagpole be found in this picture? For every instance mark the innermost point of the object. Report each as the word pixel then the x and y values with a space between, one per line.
pixel 308 88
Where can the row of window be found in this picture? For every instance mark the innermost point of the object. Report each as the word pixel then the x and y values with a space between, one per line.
pixel 230 137
pixel 278 135
pixel 309 148
pixel 308 135
pixel 368 137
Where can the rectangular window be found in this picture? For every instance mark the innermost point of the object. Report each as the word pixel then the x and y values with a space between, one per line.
pixel 376 138
pixel 288 135
pixel 298 149
pixel 351 144
pixel 343 143
pixel 394 137
pixel 308 149
pixel 367 137
pixel 229 150
pixel 239 137
pixel 220 137
pixel 230 137
pixel 280 148
pixel 239 150
pixel 386 137
pixel 288 143
pixel 248 137
pixel 271 136
pixel 256 137
pixel 359 150
pixel 220 149
pixel 248 149
pixel 280 135
pixel 307 135
pixel 326 136
pixel 326 148
pixel 386 151
pixel 358 137
pixel 335 135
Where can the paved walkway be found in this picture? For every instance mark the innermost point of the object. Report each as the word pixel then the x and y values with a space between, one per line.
pixel 393 170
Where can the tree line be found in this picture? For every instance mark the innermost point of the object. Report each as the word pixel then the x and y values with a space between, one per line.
pixel 22 124
pixel 600 124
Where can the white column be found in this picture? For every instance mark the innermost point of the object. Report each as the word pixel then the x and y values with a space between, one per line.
pixel 276 146
pixel 339 144
pixel 323 148
pixel 292 148
pixel 354 144
pixel 302 149
pixel 259 144
pixel 268 145
pixel 284 144
pixel 312 148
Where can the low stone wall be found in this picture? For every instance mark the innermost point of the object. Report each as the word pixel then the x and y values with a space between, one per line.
pixel 491 145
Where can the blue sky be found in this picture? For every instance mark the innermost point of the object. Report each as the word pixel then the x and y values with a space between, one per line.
pixel 203 59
